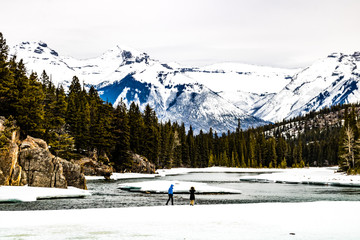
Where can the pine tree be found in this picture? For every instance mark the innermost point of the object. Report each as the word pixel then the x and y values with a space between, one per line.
pixel 73 108
pixel 30 108
pixel 233 161
pixel 151 136
pixel 347 157
pixel 211 160
pixel 121 130
pixel 136 127
pixel 192 148
pixel 8 90
pixel 185 158
pixel 271 152
pixel 251 151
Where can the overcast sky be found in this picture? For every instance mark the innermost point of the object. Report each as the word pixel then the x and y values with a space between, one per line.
pixel 281 33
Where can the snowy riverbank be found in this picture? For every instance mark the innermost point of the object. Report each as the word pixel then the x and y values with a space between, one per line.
pixel 314 220
pixel 29 194
pixel 316 176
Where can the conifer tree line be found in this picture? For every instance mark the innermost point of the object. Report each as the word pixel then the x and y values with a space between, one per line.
pixel 78 123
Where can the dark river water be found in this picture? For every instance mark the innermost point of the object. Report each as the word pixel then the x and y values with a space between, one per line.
pixel 106 194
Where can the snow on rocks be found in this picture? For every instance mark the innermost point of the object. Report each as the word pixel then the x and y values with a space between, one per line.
pixel 314 176
pixel 180 187
pixel 29 194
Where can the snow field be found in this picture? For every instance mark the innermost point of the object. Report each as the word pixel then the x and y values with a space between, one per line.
pixel 315 220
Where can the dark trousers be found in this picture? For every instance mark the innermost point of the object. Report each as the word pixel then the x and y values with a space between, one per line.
pixel 172 199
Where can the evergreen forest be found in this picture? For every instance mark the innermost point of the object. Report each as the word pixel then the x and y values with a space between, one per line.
pixel 78 123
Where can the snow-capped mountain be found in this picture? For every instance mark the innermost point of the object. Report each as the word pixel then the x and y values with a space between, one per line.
pixel 330 81
pixel 213 96
pixel 176 93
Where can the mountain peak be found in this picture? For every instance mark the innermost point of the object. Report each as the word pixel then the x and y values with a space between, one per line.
pixel 39 47
pixel 127 54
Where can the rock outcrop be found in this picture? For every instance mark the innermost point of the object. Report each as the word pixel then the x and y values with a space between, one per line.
pixel 141 164
pixel 73 173
pixel 43 169
pixel 92 167
pixel 30 162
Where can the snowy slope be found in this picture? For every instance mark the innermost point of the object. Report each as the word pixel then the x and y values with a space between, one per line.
pixel 329 81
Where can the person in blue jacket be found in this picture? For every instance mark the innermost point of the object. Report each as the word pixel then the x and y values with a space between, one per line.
pixel 171 193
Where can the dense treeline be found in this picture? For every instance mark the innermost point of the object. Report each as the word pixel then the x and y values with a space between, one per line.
pixel 78 122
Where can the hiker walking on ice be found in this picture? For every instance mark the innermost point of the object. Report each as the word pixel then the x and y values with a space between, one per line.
pixel 192 196
pixel 171 193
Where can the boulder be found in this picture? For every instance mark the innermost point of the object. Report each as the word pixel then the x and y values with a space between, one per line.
pixel 73 174
pixel 42 169
pixel 141 164
pixel 33 143
pixel 91 167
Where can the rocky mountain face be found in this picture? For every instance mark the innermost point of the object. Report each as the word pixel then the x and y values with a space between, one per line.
pixel 213 96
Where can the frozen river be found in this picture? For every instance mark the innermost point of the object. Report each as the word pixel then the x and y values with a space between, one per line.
pixel 106 194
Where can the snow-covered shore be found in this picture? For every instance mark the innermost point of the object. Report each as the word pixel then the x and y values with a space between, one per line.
pixel 316 176
pixel 314 220
pixel 29 194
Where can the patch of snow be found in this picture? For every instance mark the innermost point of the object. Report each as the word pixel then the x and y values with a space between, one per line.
pixel 29 194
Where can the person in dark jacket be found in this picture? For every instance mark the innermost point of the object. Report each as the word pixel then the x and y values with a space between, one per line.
pixel 192 196
pixel 171 193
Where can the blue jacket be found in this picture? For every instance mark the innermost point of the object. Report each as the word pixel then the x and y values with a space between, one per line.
pixel 171 189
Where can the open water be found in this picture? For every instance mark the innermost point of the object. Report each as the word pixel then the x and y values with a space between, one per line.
pixel 106 194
